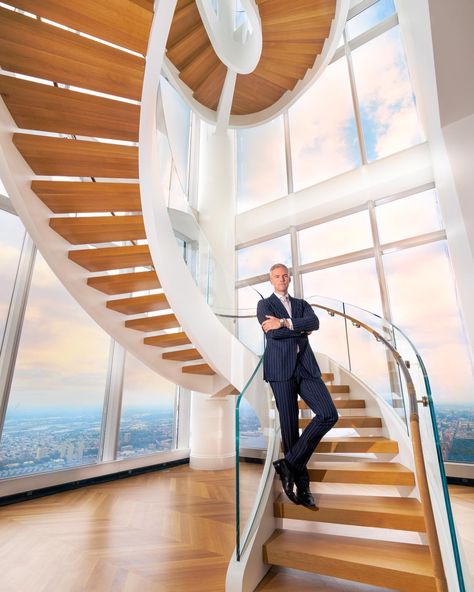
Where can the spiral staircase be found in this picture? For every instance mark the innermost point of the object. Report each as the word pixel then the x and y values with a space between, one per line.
pixel 71 84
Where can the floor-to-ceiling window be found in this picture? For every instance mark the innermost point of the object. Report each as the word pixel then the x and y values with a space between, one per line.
pixel 55 375
pixel 389 258
pixel 360 109
pixel 148 417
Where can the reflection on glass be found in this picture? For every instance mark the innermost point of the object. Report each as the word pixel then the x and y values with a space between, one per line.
pixel 355 283
pixel 411 216
pixel 12 233
pixel 258 259
pixel 148 412
pixel 178 122
pixel 387 105
pixel 322 129
pixel 261 164
pixel 370 17
pixel 249 330
pixel 54 412
pixel 330 239
pixel 423 301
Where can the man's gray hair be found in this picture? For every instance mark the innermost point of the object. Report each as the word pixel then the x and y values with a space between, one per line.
pixel 277 265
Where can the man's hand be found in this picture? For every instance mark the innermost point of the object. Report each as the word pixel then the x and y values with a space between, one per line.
pixel 270 323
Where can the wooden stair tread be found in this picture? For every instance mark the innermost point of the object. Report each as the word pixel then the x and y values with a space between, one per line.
pixel 35 48
pixel 123 283
pixel 154 323
pixel 41 107
pixel 340 404
pixel 139 304
pixel 77 158
pixel 182 355
pixel 198 369
pixel 397 513
pixel 356 444
pixel 122 23
pixel 63 197
pixel 184 50
pixel 361 472
pixel 168 339
pixel 327 376
pixel 347 421
pixel 402 566
pixel 200 67
pixel 108 258
pixel 209 91
pixel 338 388
pixel 99 229
pixel 186 17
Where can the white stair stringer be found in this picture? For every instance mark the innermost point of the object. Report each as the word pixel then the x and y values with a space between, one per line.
pixel 226 354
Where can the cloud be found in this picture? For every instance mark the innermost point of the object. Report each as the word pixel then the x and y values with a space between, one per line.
pixel 322 129
pixel 385 95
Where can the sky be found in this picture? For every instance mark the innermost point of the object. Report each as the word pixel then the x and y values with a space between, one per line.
pixel 63 357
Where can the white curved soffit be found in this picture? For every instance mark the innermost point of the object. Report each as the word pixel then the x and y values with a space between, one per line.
pixel 239 55
pixel 230 358
pixel 289 98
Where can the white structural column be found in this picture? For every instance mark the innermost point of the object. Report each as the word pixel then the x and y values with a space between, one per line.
pixel 212 419
pixel 212 433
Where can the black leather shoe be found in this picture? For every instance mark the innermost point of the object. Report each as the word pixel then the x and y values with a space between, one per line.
pixel 287 478
pixel 305 497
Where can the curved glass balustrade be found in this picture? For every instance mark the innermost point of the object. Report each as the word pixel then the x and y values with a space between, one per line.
pixel 257 445
pixel 381 355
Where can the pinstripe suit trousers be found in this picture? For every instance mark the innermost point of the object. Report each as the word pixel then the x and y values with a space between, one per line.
pixel 298 449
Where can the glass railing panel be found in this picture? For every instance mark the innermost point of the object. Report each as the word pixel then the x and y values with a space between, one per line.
pixel 372 361
pixel 257 446
pixel 331 337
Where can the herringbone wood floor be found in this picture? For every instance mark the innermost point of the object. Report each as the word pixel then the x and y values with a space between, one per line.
pixel 169 531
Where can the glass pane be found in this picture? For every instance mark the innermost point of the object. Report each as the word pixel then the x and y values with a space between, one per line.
pixel 370 17
pixel 249 330
pixel 148 411
pixel 410 216
pixel 387 105
pixel 54 414
pixel 337 237
pixel 258 259
pixel 12 233
pixel 354 283
pixel 423 300
pixel 323 133
pixel 261 164
pixel 178 122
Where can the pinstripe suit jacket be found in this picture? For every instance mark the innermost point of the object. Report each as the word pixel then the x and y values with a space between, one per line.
pixel 282 344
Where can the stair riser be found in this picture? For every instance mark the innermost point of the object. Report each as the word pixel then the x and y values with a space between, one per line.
pixel 370 478
pixel 353 518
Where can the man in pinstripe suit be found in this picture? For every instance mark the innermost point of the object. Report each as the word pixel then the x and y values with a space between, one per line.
pixel 291 369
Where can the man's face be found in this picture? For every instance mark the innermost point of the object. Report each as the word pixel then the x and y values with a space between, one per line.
pixel 280 279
